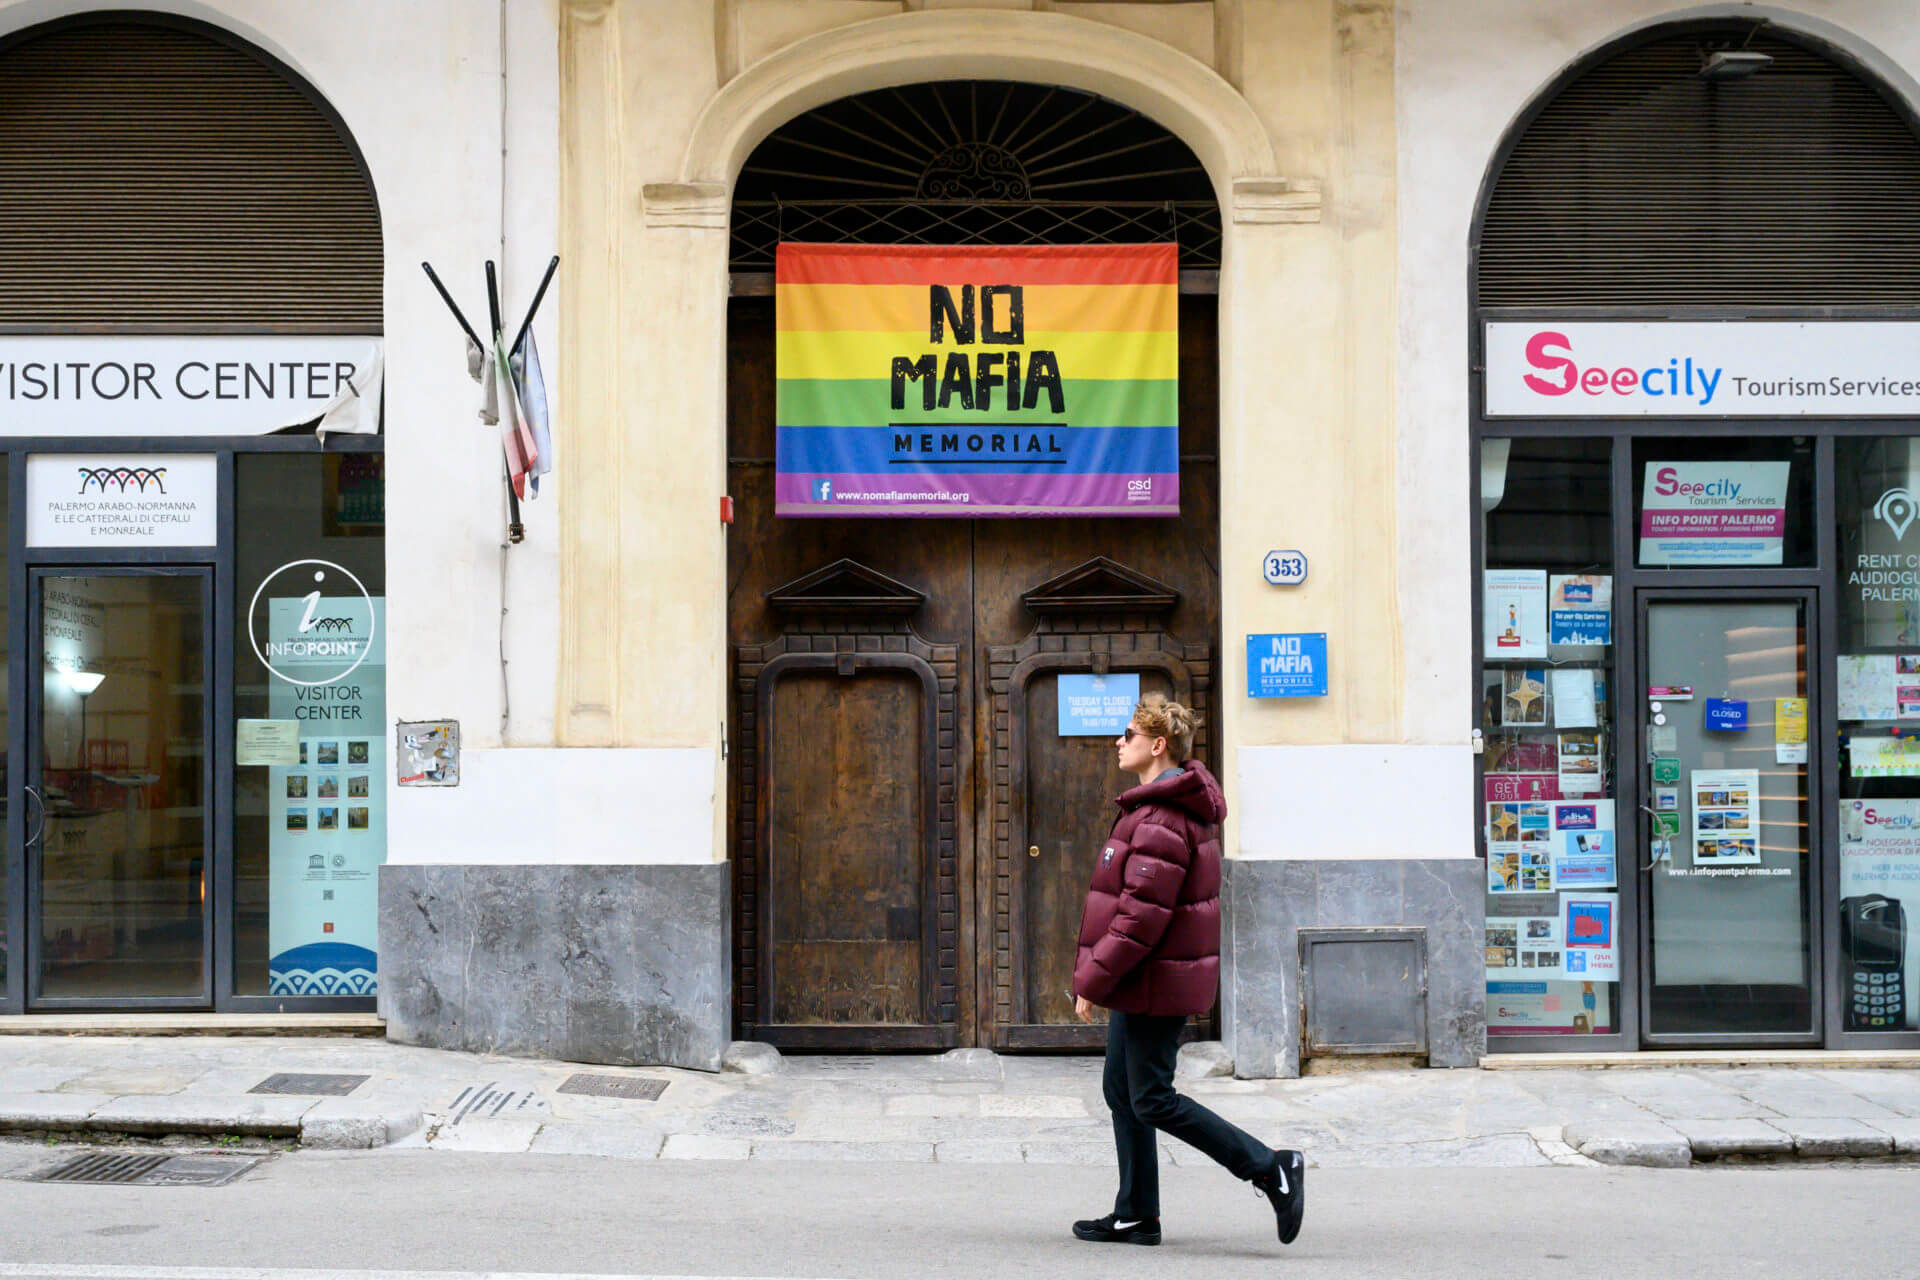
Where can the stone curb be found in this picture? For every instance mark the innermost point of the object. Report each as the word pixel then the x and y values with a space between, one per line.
pixel 327 1123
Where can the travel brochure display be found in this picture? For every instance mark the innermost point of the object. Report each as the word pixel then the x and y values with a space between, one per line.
pixel 1542 846
pixel 327 810
pixel 1713 513
pixel 1575 697
pixel 1578 942
pixel 1789 730
pixel 1726 817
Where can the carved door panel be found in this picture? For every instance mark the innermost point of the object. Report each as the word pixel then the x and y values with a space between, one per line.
pixel 1052 796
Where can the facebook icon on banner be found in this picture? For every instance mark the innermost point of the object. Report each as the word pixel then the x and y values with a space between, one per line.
pixel 823 490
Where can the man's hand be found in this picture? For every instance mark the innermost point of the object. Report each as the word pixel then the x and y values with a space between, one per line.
pixel 1084 1008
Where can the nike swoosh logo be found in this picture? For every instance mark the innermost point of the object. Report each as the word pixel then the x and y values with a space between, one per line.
pixel 1123 1226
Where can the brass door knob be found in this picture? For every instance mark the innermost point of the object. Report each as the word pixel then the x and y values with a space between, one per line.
pixel 1033 851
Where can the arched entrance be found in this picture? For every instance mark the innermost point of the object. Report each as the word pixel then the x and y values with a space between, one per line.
pixel 1745 196
pixel 908 828
pixel 190 229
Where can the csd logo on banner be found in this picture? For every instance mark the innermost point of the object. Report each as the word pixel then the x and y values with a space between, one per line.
pixel 1140 490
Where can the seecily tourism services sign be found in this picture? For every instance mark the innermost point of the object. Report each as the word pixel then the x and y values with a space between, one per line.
pixel 1702 369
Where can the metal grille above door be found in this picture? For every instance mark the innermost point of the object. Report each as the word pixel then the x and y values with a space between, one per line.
pixel 1646 183
pixel 159 175
pixel 973 162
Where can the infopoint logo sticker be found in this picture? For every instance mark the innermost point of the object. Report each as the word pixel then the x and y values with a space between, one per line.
pixel 334 630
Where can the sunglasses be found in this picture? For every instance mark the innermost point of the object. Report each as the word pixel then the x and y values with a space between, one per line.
pixel 1132 733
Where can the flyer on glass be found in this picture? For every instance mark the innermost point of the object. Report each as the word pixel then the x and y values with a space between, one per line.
pixel 1579 609
pixel 1516 613
pixel 1713 513
pixel 1726 817
pixel 1590 935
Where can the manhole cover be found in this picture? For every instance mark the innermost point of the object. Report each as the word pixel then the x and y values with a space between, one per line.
pixel 325 1086
pixel 150 1171
pixel 615 1086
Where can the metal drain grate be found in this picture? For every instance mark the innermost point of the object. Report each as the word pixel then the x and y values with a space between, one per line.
pixel 150 1171
pixel 325 1086
pixel 615 1086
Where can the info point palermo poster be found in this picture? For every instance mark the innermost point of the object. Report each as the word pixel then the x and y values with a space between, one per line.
pixel 920 380
pixel 327 813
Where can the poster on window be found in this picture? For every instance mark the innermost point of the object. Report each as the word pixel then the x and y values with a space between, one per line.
pixel 1713 513
pixel 982 380
pixel 1579 610
pixel 327 811
pixel 1726 817
pixel 1590 936
pixel 1516 613
pixel 1879 897
pixel 1517 1006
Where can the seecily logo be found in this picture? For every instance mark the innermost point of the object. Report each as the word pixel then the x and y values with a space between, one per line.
pixel 1557 372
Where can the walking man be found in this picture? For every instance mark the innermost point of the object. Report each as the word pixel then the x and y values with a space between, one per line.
pixel 1150 954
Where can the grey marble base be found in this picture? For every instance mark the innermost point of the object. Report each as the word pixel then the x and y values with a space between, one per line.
pixel 623 965
pixel 1266 903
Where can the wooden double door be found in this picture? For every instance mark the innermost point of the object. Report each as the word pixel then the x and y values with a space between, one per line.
pixel 911 834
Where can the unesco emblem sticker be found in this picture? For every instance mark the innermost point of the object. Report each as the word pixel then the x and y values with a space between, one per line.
pixel 320 622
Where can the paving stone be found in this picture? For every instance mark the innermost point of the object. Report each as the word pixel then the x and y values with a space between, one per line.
pixel 622 1141
pixel 342 1124
pixel 115 1083
pixel 802 1149
pixel 1905 1134
pixel 1636 1142
pixel 751 1058
pixel 702 1146
pixel 1834 1136
pixel 495 1134
pixel 1806 1102
pixel 49 1110
pixel 1201 1059
pixel 201 1113
pixel 1036 1107
pixel 1731 1137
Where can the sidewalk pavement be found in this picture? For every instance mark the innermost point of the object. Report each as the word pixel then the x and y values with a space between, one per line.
pixel 967 1106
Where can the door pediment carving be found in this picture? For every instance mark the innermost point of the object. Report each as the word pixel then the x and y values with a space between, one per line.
pixel 1102 588
pixel 847 589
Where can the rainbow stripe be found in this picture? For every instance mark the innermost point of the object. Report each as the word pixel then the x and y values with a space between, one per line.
pixel 1068 405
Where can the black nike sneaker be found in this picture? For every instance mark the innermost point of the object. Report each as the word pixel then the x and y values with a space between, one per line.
pixel 1112 1230
pixel 1286 1188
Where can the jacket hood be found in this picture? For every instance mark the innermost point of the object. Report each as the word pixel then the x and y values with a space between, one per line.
pixel 1195 790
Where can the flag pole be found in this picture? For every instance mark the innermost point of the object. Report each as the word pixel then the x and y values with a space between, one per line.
pixel 516 532
pixel 534 306
pixel 452 305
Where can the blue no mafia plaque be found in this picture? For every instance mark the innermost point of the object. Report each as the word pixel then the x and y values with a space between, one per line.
pixel 1289 665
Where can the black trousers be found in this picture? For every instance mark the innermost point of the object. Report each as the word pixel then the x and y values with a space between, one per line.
pixel 1139 1086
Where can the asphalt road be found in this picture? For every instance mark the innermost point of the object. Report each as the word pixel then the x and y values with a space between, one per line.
pixel 314 1216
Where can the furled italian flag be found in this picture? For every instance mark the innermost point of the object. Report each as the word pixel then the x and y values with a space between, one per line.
pixel 980 380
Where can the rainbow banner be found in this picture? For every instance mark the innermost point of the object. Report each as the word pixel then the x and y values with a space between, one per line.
pixel 979 381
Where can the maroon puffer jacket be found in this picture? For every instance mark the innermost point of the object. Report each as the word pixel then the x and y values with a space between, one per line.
pixel 1150 933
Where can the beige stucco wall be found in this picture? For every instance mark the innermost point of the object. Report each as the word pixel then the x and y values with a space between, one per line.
pixel 1289 103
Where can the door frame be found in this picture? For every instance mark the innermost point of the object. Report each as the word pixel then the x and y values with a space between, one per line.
pixel 200 567
pixel 1810 597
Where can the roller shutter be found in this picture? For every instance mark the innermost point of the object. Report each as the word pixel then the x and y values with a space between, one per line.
pixel 1645 184
pixel 154 176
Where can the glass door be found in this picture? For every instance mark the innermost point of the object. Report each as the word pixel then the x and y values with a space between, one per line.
pixel 1728 801
pixel 118 779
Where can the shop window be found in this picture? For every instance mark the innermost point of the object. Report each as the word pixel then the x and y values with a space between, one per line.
pixel 1877 692
pixel 310 745
pixel 1723 503
pixel 1549 626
